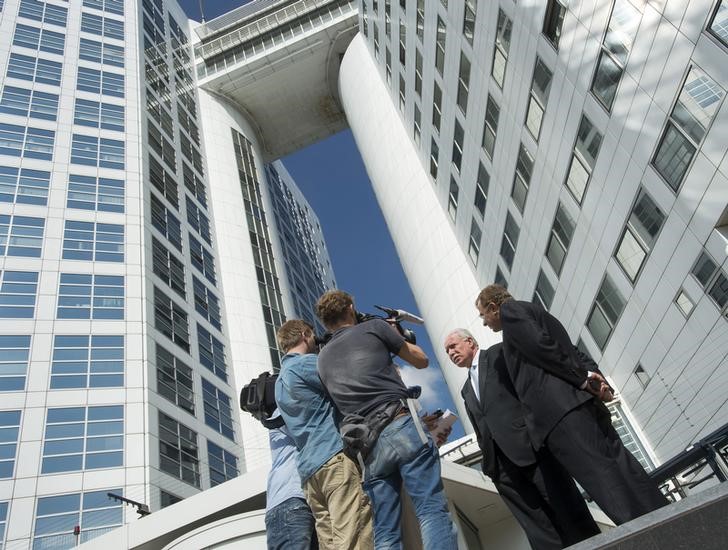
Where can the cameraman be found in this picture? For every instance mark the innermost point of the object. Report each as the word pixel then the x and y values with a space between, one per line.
pixel 356 368
pixel 331 481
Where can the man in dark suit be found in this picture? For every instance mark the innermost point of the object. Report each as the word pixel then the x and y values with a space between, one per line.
pixel 562 391
pixel 541 495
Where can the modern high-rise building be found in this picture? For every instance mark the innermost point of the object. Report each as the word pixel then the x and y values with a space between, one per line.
pixel 574 151
pixel 146 261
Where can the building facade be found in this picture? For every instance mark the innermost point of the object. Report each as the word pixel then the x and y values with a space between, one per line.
pixel 573 151
pixel 121 357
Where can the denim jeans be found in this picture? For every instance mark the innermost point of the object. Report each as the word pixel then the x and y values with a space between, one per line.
pixel 289 526
pixel 400 456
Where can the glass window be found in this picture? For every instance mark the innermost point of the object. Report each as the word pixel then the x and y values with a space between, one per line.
pixel 440 46
pixel 452 200
pixel 540 88
pixel 420 19
pixel 434 158
pixel 29 103
pixel 174 380
pixel 98 52
pixel 18 292
pixel 476 234
pixel 99 115
pixel 43 12
pixel 191 153
pixel 188 124
pixel 436 106
pixel 502 45
pixel 544 292
pixel 168 267
pixel 718 26
pixel 167 499
pixel 102 26
pixel 223 464
pixel 23 141
pixel 195 184
pixel 167 224
pixel 90 193
pixel 103 82
pixel 510 240
pixel 607 308
pixel 562 232
pixel 111 6
pixel 163 147
pixel 686 127
pixel 500 278
pixel 202 259
pixel 388 65
pixel 469 16
pixel 212 352
pixel 417 124
pixel 197 219
pixel 96 151
pixel 616 46
pixel 178 453
pixel 553 21
pixel 21 236
pixel 418 73
pixel 463 83
pixel 218 414
pixel 457 146
pixel 490 127
pixel 56 517
pixel 39 39
pixel 522 179
pixel 83 438
pixel 14 355
pixel 583 159
pixel 481 190
pixel 163 181
pixel 24 186
pixel 704 269
pixel 643 225
pixel 206 303
pixel 9 433
pixel 91 296
pixel 718 291
pixel 87 362
pixel 34 69
pixel 101 242
pixel 171 320
pixel 684 303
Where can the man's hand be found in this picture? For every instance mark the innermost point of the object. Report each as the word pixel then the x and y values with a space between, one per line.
pixel 598 387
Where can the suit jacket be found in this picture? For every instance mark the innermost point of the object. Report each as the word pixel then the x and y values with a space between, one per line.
pixel 498 416
pixel 546 368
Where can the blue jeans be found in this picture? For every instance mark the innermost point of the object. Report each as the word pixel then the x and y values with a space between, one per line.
pixel 289 526
pixel 400 456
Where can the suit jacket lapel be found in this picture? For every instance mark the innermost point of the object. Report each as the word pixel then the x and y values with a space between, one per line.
pixel 471 401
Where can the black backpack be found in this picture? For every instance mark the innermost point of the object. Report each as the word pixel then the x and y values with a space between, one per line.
pixel 258 398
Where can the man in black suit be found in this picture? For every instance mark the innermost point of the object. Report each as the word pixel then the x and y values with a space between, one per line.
pixel 541 495
pixel 562 391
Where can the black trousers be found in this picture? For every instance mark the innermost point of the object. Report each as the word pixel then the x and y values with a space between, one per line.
pixel 545 501
pixel 589 448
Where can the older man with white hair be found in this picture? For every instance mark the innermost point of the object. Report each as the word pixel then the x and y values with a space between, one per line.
pixel 539 492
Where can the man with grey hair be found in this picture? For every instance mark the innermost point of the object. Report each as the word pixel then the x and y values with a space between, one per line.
pixel 539 492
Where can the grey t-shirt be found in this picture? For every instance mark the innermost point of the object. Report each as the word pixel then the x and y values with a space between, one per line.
pixel 356 368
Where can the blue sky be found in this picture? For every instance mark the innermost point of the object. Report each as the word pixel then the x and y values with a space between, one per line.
pixel 332 177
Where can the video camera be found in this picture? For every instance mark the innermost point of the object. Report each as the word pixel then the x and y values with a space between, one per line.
pixel 393 316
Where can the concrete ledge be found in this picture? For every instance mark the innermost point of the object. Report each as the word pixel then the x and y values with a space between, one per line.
pixel 698 522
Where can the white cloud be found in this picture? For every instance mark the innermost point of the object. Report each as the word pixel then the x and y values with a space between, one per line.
pixel 429 380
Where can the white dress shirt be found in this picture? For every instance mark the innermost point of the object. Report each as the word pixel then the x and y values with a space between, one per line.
pixel 474 375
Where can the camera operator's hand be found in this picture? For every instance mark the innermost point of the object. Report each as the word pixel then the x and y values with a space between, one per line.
pixel 430 421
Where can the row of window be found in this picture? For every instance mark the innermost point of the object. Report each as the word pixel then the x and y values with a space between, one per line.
pixel 25 186
pixel 45 71
pixel 90 438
